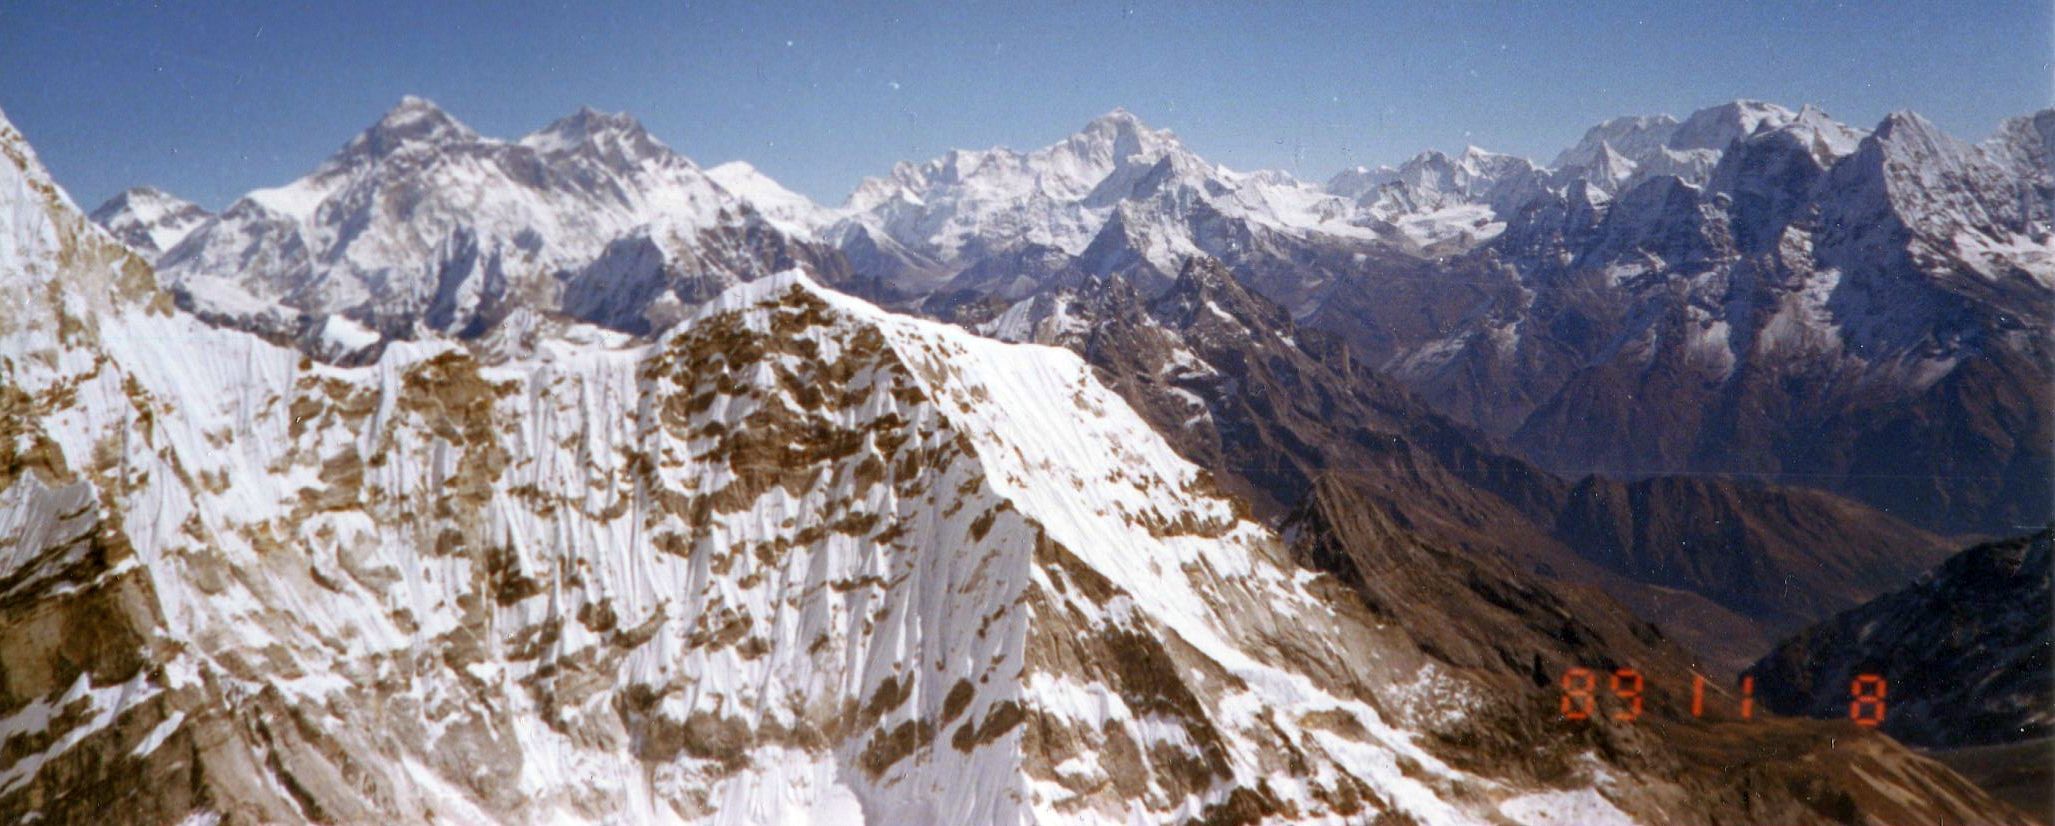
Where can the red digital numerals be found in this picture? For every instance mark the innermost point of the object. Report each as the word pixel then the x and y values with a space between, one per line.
pixel 1866 700
pixel 1580 686
pixel 1579 698
pixel 1580 693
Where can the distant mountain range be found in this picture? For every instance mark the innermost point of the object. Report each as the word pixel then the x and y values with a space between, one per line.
pixel 1750 291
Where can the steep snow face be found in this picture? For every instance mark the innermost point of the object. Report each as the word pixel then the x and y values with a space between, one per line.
pixel 792 212
pixel 1955 201
pixel 420 225
pixel 2027 145
pixel 149 220
pixel 797 561
pixel 59 274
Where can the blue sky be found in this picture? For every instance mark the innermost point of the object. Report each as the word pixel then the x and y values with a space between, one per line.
pixel 210 102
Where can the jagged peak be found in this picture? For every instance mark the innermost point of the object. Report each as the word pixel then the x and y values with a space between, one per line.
pixel 1124 135
pixel 1657 120
pixel 588 122
pixel 1204 278
pixel 1904 133
pixel 148 219
pixel 1826 138
pixel 41 192
pixel 1903 120
pixel 415 122
pixel 143 192
pixel 140 198
pixel 55 263
pixel 1429 157
pixel 2028 139
pixel 1117 120
pixel 614 136
pixel 1206 289
pixel 1582 193
pixel 1204 273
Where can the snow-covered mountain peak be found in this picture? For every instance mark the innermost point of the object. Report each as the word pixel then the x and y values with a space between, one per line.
pixel 1830 139
pixel 1115 144
pixel 1717 127
pixel 2032 134
pixel 1125 135
pixel 1905 127
pixel 2026 145
pixel 1623 152
pixel 616 139
pixel 1914 154
pixel 416 123
pixel 1206 288
pixel 142 198
pixel 1985 206
pixel 1634 134
pixel 149 219
pixel 791 211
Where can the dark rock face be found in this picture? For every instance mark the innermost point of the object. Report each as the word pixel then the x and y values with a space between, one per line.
pixel 1778 555
pixel 1476 612
pixel 1966 652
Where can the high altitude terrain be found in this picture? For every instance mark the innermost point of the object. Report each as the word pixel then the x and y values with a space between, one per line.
pixel 524 480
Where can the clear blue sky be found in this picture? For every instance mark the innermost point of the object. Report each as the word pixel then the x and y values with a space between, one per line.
pixel 210 102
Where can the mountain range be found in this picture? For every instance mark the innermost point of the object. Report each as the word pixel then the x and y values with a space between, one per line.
pixel 563 478
pixel 1749 292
